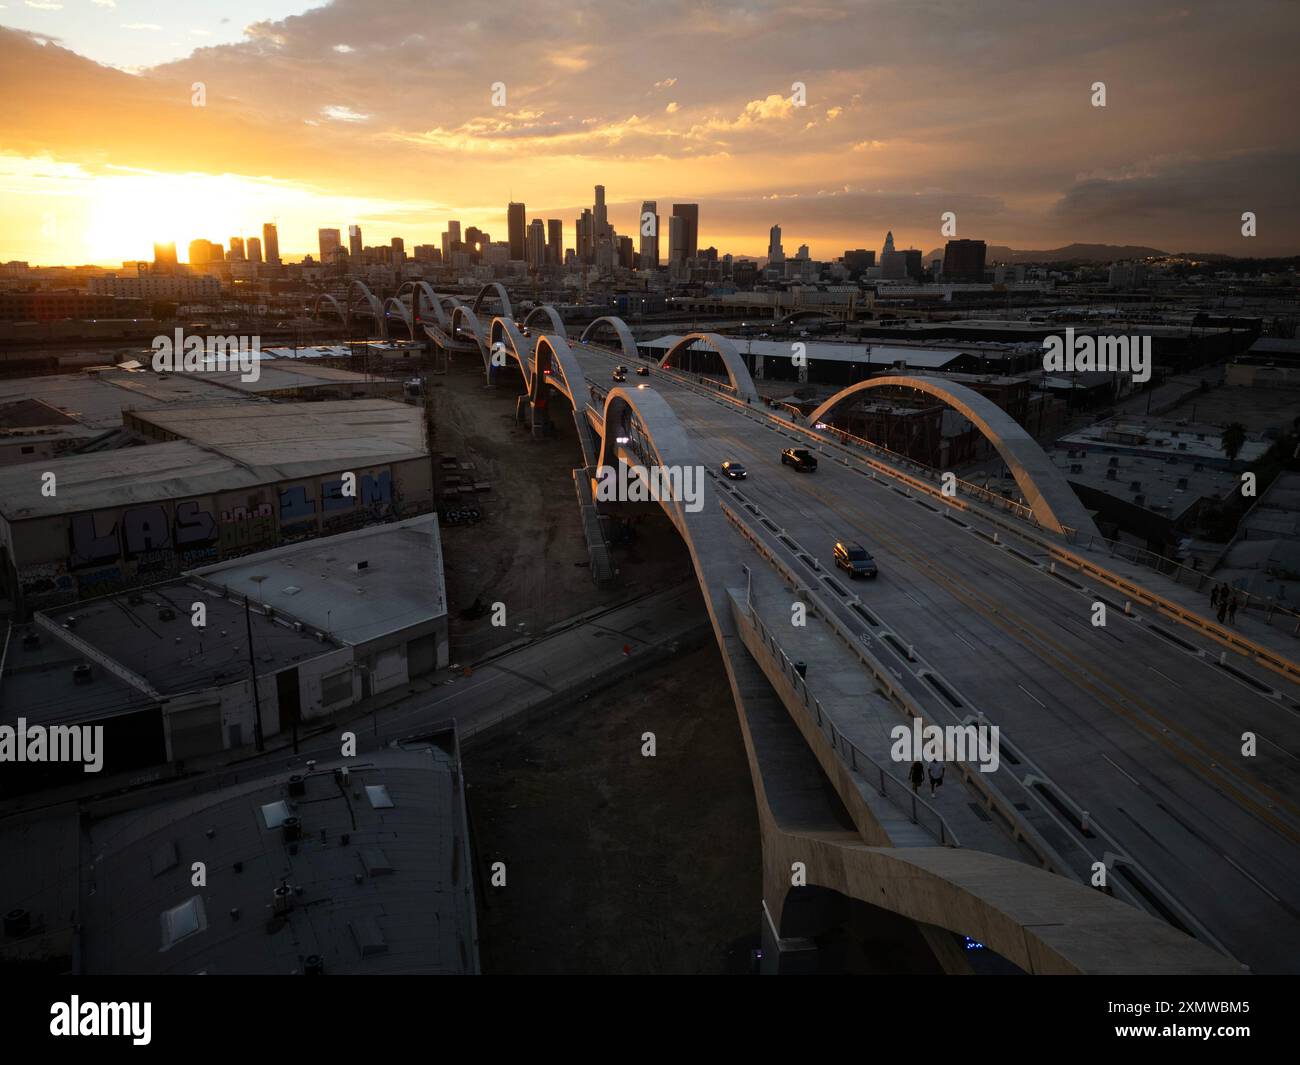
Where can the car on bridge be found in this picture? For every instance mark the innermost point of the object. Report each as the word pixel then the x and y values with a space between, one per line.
pixel 800 458
pixel 855 559
pixel 620 374
pixel 734 470
pixel 643 371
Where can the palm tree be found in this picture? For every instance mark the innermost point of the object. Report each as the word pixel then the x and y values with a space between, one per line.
pixel 1234 436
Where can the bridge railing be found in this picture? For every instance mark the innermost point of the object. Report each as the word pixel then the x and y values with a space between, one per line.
pixel 1266 609
pixel 888 786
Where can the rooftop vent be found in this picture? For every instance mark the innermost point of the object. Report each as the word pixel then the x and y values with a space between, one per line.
pixel 292 827
pixel 182 921
pixel 1182 483
pixel 1135 486
pixel 31 639
pixel 1114 461
pixel 297 786
pixel 1110 475
pixel 1076 467
pixel 358 566
pixel 166 613
pixel 81 673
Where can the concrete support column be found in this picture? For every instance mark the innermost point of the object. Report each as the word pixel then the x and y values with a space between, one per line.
pixel 785 956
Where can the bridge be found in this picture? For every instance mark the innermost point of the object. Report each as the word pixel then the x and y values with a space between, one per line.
pixel 1124 827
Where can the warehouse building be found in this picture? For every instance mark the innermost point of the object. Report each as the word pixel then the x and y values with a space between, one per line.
pixel 222 481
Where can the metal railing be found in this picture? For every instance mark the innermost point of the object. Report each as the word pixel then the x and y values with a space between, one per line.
pixel 1267 609
pixel 919 812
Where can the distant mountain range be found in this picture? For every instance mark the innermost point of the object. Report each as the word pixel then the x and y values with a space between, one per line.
pixel 1071 253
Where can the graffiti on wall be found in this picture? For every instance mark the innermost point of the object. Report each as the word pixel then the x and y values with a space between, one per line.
pixel 145 534
pixel 46 579
pixel 244 528
pixel 307 508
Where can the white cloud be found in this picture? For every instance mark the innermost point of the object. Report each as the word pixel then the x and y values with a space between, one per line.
pixel 343 114
pixel 43 5
pixel 667 83
pixel 141 26
pixel 104 3
pixel 344 49
pixel 672 108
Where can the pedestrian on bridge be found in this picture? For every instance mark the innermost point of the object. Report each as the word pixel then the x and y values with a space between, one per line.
pixel 936 776
pixel 916 775
pixel 1223 607
pixel 1233 603
pixel 1215 595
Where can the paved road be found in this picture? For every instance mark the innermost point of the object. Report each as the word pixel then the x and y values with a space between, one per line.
pixel 1142 733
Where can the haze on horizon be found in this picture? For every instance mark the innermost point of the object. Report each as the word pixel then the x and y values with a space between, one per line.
pixel 379 112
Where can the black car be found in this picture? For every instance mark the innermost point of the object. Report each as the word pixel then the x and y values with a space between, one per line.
pixel 856 559
pixel 643 371
pixel 619 375
pixel 800 458
pixel 734 470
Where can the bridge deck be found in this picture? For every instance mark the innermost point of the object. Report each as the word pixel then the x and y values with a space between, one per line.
pixel 1119 721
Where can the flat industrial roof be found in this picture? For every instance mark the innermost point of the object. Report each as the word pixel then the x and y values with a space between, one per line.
pixel 1158 478
pixel 38 684
pixel 96 400
pixel 274 375
pixel 171 655
pixel 319 582
pixel 1163 436
pixel 284 436
pixel 120 478
pixel 379 883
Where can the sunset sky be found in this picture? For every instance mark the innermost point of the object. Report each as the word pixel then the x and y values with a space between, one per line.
pixel 379 112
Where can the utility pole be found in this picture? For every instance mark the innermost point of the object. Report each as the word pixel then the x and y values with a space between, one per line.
pixel 252 671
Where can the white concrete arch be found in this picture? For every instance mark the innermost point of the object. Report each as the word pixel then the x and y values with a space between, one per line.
pixel 497 289
pixel 732 361
pixel 1044 487
pixel 423 288
pixel 546 311
pixel 624 334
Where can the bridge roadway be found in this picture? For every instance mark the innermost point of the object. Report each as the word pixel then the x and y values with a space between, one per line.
pixel 1118 721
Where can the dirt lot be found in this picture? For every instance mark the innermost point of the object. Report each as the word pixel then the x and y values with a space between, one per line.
pixel 528 552
pixel 619 863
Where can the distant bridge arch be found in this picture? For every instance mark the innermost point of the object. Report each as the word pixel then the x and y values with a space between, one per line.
pixel 1044 487
pixel 463 317
pixel 404 313
pixel 624 334
pixel 806 313
pixel 732 361
pixel 371 305
pixel 339 309
pixel 546 311
pixel 497 289
pixel 423 288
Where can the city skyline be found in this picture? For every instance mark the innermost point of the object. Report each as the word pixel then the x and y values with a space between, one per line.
pixel 100 163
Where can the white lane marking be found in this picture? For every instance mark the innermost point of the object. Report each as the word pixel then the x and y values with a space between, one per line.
pixel 1165 675
pixel 1251 878
pixel 1032 696
pixel 1137 783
